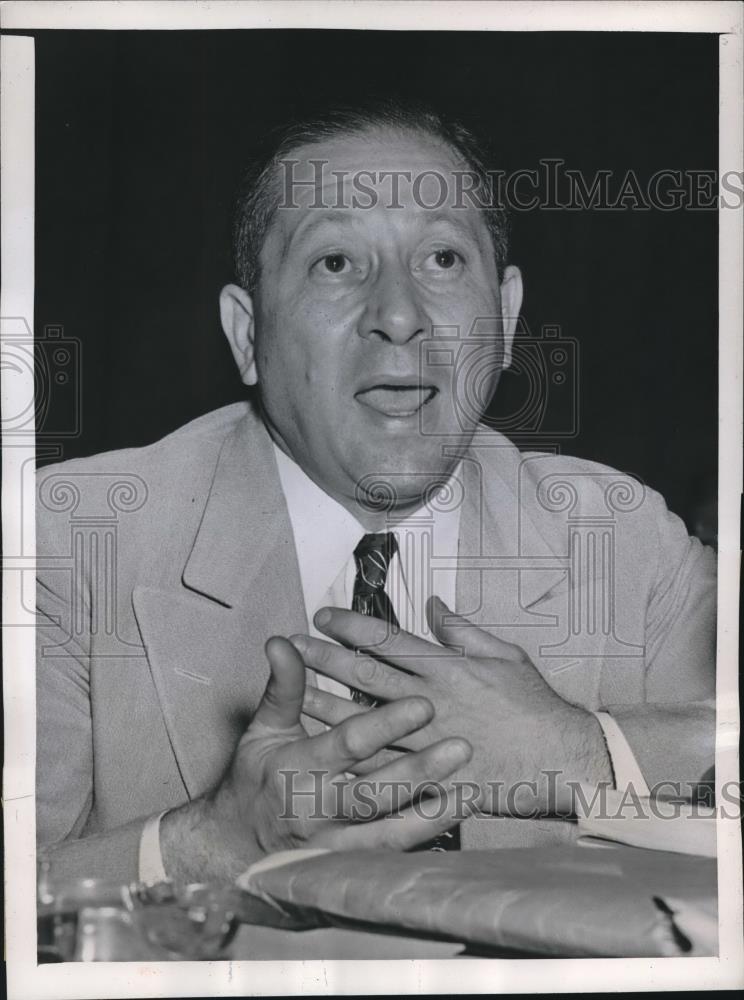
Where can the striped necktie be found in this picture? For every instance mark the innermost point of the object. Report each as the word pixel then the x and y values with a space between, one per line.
pixel 373 556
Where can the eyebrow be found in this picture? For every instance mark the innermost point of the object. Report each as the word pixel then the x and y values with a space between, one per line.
pixel 344 217
pixel 453 220
pixel 318 218
pixel 477 236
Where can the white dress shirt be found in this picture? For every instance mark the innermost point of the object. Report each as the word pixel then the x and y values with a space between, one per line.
pixel 326 535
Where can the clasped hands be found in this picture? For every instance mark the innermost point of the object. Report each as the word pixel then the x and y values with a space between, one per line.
pixel 527 742
pixel 469 725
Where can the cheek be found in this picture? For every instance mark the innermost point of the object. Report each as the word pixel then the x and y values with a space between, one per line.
pixel 461 305
pixel 297 366
pixel 306 348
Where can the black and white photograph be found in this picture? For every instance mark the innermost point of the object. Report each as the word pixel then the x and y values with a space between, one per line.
pixel 371 474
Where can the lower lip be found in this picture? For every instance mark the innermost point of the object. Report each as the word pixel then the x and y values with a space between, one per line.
pixel 393 405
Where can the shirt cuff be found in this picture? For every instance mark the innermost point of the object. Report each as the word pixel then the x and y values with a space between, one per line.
pixel 151 870
pixel 624 765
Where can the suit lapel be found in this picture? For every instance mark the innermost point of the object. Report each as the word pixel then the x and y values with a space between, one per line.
pixel 507 567
pixel 241 585
pixel 514 580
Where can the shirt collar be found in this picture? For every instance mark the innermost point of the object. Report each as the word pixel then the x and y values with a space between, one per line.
pixel 326 534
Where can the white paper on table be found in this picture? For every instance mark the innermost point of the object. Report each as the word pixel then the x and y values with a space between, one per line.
pixel 657 825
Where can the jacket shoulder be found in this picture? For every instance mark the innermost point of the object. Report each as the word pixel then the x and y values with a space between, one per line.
pixel 556 488
pixel 562 490
pixel 204 434
pixel 536 471
pixel 565 483
pixel 155 483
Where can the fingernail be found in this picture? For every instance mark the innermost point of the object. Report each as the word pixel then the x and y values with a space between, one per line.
pixel 322 617
pixel 422 711
pixel 462 750
pixel 298 641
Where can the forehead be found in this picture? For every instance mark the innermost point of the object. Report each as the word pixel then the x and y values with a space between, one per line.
pixel 395 176
pixel 376 149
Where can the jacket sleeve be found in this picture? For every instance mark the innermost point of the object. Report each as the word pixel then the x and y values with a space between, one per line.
pixel 672 735
pixel 681 615
pixel 64 742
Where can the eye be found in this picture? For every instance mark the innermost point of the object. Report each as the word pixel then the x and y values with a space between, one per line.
pixel 334 263
pixel 445 258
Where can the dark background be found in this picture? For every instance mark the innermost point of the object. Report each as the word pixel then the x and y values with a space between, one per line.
pixel 141 138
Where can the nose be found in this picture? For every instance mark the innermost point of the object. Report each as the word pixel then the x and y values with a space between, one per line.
pixel 393 312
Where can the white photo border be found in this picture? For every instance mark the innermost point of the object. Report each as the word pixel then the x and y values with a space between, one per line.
pixel 242 978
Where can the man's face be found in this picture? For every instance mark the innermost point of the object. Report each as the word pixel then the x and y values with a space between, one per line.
pixel 348 295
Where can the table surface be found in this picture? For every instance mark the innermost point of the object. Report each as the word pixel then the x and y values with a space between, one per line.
pixel 331 943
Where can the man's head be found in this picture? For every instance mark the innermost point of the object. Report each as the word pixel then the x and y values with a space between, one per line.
pixel 364 236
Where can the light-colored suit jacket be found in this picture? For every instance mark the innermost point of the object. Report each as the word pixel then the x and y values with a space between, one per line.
pixel 163 570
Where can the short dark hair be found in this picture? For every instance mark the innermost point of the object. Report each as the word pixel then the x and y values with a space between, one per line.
pixel 258 197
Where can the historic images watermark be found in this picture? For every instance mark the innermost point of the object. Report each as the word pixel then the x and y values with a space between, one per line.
pixel 550 185
pixel 319 795
pixel 53 409
pixel 546 365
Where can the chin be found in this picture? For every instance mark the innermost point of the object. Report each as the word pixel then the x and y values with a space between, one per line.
pixel 403 476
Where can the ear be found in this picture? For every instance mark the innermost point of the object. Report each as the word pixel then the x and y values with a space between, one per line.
pixel 511 303
pixel 236 314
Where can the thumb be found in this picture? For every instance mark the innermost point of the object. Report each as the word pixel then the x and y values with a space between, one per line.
pixel 455 631
pixel 281 704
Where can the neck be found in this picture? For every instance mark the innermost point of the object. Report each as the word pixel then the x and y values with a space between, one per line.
pixel 376 514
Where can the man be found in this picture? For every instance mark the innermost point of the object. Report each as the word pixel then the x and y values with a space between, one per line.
pixel 522 623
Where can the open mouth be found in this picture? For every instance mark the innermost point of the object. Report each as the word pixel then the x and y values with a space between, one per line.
pixel 397 400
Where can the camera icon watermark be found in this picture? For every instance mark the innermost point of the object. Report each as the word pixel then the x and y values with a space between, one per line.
pixel 543 370
pixel 47 369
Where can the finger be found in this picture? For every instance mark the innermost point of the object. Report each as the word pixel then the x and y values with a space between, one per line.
pixel 281 704
pixel 375 762
pixel 373 635
pixel 364 672
pixel 332 710
pixel 329 708
pixel 453 630
pixel 363 735
pixel 396 784
pixel 419 823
